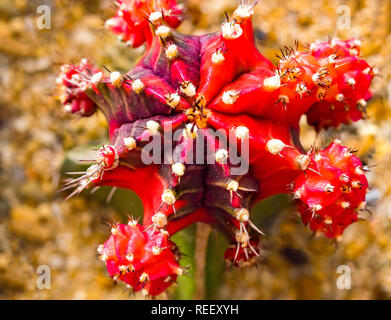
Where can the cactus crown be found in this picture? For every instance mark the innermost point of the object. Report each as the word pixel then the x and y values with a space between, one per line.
pixel 220 81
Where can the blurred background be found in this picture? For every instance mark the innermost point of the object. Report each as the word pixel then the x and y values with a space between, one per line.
pixel 38 143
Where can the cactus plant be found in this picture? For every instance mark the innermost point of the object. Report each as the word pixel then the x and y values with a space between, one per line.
pixel 195 86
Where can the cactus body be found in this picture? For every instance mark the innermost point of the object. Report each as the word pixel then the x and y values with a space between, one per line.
pixel 192 84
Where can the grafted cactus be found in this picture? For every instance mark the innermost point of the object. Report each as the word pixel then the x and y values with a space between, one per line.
pixel 193 87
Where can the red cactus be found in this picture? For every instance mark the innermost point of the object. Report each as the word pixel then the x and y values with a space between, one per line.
pixel 333 191
pixel 243 255
pixel 197 86
pixel 145 260
pixel 131 22
pixel 345 82
pixel 72 86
